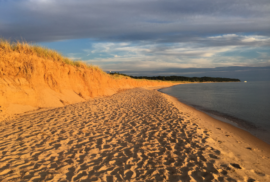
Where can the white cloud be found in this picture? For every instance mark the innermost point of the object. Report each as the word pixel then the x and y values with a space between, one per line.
pixel 242 39
pixel 255 38
pixel 226 36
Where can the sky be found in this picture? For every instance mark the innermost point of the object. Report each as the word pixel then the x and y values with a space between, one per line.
pixel 220 38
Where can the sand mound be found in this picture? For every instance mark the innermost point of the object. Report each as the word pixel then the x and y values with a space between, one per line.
pixel 28 81
pixel 136 135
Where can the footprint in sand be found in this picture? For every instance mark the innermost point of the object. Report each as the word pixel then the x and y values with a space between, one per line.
pixel 236 165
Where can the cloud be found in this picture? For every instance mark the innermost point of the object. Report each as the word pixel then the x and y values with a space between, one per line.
pixel 125 20
pixel 146 34
pixel 241 40
pixel 206 53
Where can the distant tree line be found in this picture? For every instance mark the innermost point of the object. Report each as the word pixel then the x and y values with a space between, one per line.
pixel 182 78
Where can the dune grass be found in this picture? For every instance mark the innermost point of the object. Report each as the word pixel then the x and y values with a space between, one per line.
pixel 49 54
pixel 119 76
pixel 42 52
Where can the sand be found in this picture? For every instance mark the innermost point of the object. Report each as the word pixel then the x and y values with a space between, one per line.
pixel 135 135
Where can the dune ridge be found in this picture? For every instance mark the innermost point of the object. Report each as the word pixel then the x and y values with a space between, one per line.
pixel 30 80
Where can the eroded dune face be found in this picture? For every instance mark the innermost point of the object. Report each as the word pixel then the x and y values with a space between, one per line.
pixel 29 82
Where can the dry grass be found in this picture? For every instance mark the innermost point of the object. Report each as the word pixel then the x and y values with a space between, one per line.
pixel 42 52
pixel 119 76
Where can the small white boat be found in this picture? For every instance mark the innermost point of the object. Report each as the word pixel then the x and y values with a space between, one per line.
pixel 245 81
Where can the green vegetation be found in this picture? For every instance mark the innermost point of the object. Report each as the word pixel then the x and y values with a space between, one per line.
pixel 182 78
pixel 42 52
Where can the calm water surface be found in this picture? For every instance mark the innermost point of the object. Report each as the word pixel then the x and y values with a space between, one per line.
pixel 245 105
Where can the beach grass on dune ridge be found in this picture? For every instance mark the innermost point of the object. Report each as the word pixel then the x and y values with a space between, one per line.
pixel 42 52
pixel 23 48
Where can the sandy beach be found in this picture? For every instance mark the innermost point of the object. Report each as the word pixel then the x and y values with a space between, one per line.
pixel 135 135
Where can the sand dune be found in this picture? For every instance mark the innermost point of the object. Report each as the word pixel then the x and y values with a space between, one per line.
pixel 29 81
pixel 135 135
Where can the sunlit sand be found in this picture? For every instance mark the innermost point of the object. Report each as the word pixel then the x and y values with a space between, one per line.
pixel 135 135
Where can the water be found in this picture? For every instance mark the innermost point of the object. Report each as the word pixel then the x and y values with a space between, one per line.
pixel 245 105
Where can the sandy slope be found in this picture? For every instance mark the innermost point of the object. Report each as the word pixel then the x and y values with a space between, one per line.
pixel 29 82
pixel 135 135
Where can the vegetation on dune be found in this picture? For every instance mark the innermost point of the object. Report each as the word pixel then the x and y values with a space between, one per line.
pixel 42 52
pixel 45 53
pixel 181 78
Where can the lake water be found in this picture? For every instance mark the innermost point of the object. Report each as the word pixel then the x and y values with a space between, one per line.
pixel 245 105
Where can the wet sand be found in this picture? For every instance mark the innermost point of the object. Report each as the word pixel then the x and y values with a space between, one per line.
pixel 135 135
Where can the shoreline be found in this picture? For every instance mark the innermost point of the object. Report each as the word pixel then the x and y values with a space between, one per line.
pixel 221 119
pixel 236 122
pixel 135 135
pixel 229 128
pixel 255 141
pixel 229 139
